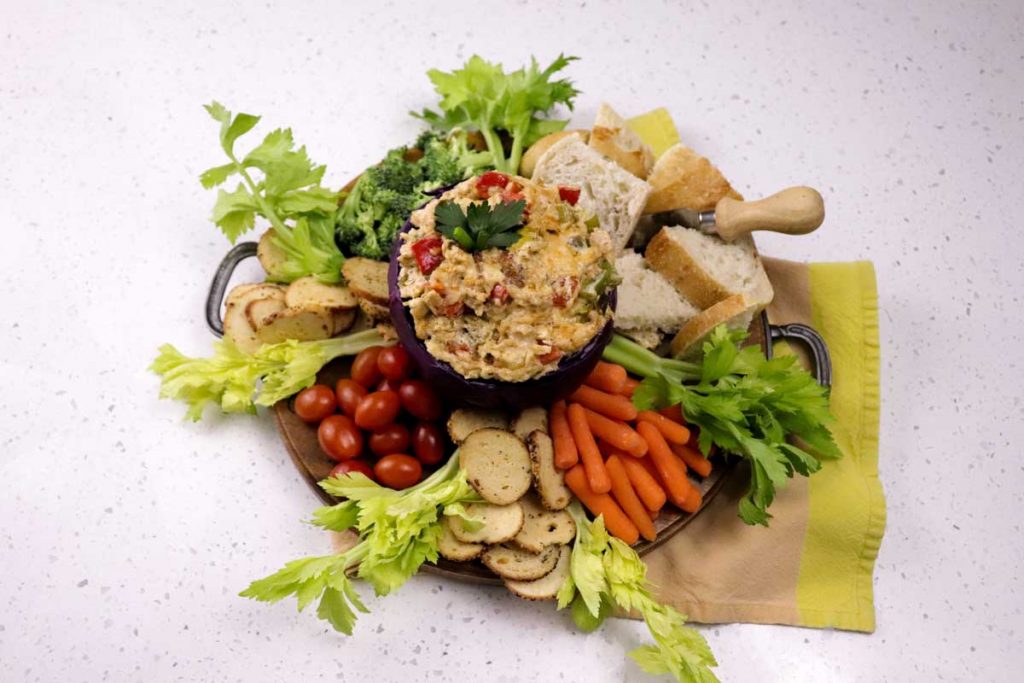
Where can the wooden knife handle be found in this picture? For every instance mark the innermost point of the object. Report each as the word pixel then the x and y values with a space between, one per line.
pixel 793 211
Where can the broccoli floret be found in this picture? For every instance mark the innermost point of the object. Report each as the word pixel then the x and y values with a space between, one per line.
pixel 380 203
pixel 395 173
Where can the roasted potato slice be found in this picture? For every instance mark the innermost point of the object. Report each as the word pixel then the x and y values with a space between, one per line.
pixel 465 421
pixel 497 465
pixel 304 324
pixel 545 588
pixel 500 523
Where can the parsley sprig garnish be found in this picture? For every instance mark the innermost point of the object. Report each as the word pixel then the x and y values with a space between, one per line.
pixel 481 226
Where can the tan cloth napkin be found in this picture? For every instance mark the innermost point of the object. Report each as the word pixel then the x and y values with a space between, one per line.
pixel 813 566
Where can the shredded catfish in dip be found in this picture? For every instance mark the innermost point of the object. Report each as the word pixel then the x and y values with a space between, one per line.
pixel 508 314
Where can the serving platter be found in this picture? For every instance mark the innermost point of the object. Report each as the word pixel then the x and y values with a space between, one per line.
pixel 300 438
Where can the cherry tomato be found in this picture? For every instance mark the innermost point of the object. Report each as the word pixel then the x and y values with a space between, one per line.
pixel 354 465
pixel 349 392
pixel 428 443
pixel 315 403
pixel 488 180
pixel 570 195
pixel 398 471
pixel 364 367
pixel 377 410
pixel 340 438
pixel 394 362
pixel 388 385
pixel 419 400
pixel 391 439
pixel 427 252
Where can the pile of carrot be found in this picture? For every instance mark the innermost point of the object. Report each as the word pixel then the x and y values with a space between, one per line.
pixel 623 463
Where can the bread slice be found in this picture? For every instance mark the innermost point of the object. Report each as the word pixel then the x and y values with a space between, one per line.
pixel 545 588
pixel 452 548
pixel 648 338
pixel 706 269
pixel 464 421
pixel 683 179
pixel 535 151
pixel 547 479
pixel 310 290
pixel 517 564
pixel 649 306
pixel 607 191
pixel 530 420
pixel 497 465
pixel 542 528
pixel 500 523
pixel 735 312
pixel 612 138
pixel 368 279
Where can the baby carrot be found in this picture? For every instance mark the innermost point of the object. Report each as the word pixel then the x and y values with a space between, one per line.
pixel 590 456
pixel 615 520
pixel 609 405
pixel 672 431
pixel 693 500
pixel 674 413
pixel 607 377
pixel 693 459
pixel 622 491
pixel 645 485
pixel 629 387
pixel 566 454
pixel 671 469
pixel 618 434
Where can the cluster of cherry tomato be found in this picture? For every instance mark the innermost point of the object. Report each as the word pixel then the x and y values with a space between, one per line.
pixel 380 410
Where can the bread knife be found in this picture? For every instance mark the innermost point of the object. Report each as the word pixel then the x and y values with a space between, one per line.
pixel 793 211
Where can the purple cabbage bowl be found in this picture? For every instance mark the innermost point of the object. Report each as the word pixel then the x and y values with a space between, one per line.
pixel 572 368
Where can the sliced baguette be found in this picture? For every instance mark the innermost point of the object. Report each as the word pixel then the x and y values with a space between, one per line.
pixel 497 465
pixel 545 588
pixel 607 191
pixel 612 138
pixel 452 548
pixel 368 279
pixel 649 306
pixel 530 420
pixel 735 312
pixel 500 523
pixel 464 421
pixel 517 564
pixel 535 151
pixel 706 269
pixel 683 179
pixel 542 528
pixel 547 479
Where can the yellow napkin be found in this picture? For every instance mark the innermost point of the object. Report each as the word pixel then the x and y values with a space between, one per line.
pixel 813 566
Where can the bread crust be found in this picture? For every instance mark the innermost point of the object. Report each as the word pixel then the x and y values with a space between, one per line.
pixel 676 265
pixel 683 179
pixel 688 340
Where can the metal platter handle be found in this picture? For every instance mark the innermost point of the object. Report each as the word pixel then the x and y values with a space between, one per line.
pixel 219 284
pixel 811 339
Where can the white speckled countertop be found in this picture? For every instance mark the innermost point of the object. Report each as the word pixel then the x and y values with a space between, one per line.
pixel 127 534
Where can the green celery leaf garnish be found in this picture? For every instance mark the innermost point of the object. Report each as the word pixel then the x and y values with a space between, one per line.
pixel 744 404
